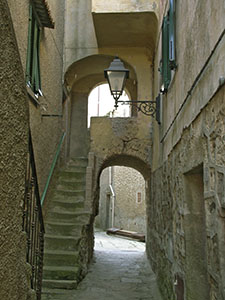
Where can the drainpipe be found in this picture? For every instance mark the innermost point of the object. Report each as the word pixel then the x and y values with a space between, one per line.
pixel 112 194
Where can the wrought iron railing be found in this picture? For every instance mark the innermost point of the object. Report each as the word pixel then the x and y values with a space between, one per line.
pixel 33 224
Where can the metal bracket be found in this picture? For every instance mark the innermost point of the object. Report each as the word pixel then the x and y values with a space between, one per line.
pixel 147 107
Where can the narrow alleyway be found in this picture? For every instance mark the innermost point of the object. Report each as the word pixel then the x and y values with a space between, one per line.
pixel 119 271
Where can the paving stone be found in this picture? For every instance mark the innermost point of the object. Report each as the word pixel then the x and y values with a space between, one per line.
pixel 119 271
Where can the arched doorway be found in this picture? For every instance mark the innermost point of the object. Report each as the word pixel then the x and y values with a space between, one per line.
pixel 101 103
pixel 122 200
pixel 80 78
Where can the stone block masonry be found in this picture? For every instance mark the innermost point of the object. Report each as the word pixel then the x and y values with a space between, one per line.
pixel 187 216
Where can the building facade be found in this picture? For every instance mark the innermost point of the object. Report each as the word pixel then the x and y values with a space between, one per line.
pixel 53 57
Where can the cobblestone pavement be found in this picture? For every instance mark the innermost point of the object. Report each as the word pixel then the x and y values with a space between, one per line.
pixel 119 271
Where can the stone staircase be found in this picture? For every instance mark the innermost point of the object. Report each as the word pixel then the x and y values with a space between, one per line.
pixel 66 229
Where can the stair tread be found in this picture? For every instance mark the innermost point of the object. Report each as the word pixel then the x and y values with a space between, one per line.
pixel 59 280
pixel 75 180
pixel 69 190
pixel 62 252
pixel 55 290
pixel 68 212
pixel 68 200
pixel 62 223
pixel 61 268
pixel 63 237
pixel 73 171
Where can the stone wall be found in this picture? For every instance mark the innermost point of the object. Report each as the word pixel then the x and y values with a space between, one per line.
pixel 186 206
pixel 122 210
pixel 14 116
pixel 176 218
pixel 129 213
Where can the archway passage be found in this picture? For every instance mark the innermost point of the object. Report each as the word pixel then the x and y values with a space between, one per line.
pixel 80 78
pixel 122 201
pixel 101 103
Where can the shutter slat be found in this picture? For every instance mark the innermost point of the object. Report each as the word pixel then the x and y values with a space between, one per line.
pixel 172 34
pixel 166 72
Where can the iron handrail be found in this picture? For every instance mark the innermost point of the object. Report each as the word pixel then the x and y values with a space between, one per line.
pixel 52 168
pixel 33 224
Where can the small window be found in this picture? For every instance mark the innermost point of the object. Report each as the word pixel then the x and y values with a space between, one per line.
pixel 168 62
pixel 33 78
pixel 139 197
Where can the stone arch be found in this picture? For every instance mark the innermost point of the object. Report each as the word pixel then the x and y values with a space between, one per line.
pixel 80 78
pixel 101 200
pixel 117 141
pixel 98 164
pixel 126 161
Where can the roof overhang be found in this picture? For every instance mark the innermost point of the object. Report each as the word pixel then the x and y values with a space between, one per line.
pixel 125 29
pixel 43 13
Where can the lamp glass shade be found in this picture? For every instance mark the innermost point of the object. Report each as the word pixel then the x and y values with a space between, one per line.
pixel 116 76
pixel 116 81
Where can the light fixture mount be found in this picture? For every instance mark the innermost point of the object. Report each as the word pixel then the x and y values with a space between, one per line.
pixel 116 76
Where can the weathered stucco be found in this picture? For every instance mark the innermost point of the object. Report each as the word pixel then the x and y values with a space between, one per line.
pixel 46 131
pixel 14 271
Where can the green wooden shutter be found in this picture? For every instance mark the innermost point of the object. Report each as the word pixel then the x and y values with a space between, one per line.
pixel 29 49
pixel 172 58
pixel 37 77
pixel 33 61
pixel 166 72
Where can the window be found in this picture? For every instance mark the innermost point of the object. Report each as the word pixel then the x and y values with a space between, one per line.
pixel 168 62
pixel 33 79
pixel 138 197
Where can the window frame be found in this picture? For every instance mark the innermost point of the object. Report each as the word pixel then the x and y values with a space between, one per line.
pixel 33 72
pixel 168 61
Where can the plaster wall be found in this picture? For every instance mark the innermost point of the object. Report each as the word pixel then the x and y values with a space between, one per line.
pixel 14 119
pixel 46 131
pixel 80 42
pixel 123 6
pixel 200 52
pixel 188 145
pixel 82 52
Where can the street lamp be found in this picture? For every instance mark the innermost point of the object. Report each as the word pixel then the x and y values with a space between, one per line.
pixel 116 76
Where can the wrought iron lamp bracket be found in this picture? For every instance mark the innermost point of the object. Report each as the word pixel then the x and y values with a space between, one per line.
pixel 149 108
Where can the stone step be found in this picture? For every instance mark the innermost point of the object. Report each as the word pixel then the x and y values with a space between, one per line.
pixel 68 197
pixel 78 161
pixel 72 174
pixel 60 258
pixel 58 284
pixel 71 184
pixel 59 242
pixel 66 203
pixel 70 193
pixel 68 216
pixel 61 273
pixel 65 229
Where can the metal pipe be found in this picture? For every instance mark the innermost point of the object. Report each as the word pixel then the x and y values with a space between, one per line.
pixel 112 194
pixel 52 168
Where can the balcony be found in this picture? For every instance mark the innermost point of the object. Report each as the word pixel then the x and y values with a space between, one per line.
pixel 125 23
